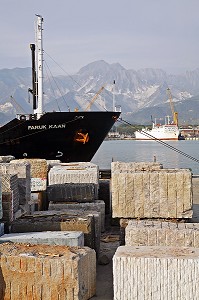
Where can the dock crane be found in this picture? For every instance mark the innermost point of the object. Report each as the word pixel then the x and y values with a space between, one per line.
pixel 174 113
pixel 94 98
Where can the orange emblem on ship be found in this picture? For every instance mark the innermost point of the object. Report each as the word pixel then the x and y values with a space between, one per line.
pixel 81 137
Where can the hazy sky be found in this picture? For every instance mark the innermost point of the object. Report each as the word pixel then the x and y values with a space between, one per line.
pixel 135 33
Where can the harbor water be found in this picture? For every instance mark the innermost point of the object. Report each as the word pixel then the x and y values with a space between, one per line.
pixel 148 151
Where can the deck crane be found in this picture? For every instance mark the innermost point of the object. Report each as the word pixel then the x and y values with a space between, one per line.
pixel 94 98
pixel 174 113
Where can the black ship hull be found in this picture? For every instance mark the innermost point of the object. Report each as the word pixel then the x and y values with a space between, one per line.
pixel 67 136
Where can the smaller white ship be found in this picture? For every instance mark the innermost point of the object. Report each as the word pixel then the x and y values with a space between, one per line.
pixel 168 131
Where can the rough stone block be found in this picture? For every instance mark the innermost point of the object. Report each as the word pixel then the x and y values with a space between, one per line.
pixel 10 196
pixel 156 272
pixel 81 214
pixel 62 238
pixel 55 221
pixel 23 172
pixel 72 192
pixel 47 272
pixel 163 193
pixel 97 205
pixel 38 166
pixel 158 233
pixel 80 172
pixel 38 172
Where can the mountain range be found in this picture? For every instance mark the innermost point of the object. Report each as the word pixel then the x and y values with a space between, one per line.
pixel 142 94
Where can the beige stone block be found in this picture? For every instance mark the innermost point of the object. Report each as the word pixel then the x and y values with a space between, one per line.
pixel 58 221
pixel 81 172
pixel 38 166
pixel 150 233
pixel 151 194
pixel 97 205
pixel 10 196
pixel 38 172
pixel 47 272
pixel 156 272
pixel 23 173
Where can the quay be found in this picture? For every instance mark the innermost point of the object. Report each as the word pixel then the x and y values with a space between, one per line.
pixel 65 228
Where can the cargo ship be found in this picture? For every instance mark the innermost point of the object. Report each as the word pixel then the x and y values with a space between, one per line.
pixel 168 131
pixel 161 132
pixel 67 136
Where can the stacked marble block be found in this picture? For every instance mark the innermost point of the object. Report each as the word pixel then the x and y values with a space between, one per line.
pixel 161 233
pixel 75 221
pixel 41 230
pixel 47 272
pixel 10 197
pixel 149 192
pixel 162 257
pixel 9 193
pixel 73 190
pixel 38 181
pixel 15 189
pixel 75 173
pixel 62 238
pixel 156 272
pixel 146 190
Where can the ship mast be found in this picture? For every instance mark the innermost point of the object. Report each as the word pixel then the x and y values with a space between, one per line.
pixel 39 66
pixel 114 95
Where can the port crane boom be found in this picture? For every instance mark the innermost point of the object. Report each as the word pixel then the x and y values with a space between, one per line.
pixel 94 98
pixel 174 113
